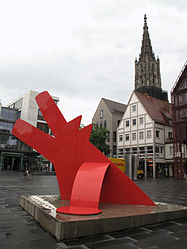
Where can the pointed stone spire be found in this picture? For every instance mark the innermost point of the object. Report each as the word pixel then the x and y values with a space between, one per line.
pixel 146 48
pixel 147 68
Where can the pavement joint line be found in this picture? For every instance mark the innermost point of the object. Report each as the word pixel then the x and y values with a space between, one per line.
pixel 155 189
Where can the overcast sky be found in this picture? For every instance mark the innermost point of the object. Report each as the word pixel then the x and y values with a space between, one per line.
pixel 83 50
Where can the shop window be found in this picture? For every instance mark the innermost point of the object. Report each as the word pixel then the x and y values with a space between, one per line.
pixel 149 149
pixel 114 150
pixel 127 150
pixel 134 150
pixel 142 150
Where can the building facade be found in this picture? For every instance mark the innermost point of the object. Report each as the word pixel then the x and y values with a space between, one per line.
pixel 14 154
pixel 108 115
pixel 143 131
pixel 179 121
pixel 146 125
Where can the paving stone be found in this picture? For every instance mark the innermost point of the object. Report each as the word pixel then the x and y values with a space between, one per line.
pixel 156 240
pixel 129 232
pixel 88 240
pixel 125 242
pixel 18 230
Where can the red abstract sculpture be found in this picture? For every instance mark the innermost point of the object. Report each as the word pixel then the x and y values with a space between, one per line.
pixel 85 176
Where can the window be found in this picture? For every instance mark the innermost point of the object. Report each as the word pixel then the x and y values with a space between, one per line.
pixel 134 150
pixel 108 137
pixel 104 123
pixel 114 150
pixel 142 150
pixel 156 149
pixel 43 127
pixel 120 152
pixel 18 104
pixel 127 123
pixel 171 150
pixel 114 136
pixel 118 122
pixel 161 150
pixel 170 135
pixel 9 114
pixel 40 116
pixel 6 127
pixel 120 138
pixel 141 120
pixel 149 149
pixel 133 136
pixel 149 134
pixel 127 150
pixel 127 137
pixel 101 123
pixel 134 122
pixel 141 136
pixel 101 114
pixel 157 134
pixel 134 108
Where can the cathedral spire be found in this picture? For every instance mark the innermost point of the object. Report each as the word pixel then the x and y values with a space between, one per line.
pixel 146 48
pixel 147 68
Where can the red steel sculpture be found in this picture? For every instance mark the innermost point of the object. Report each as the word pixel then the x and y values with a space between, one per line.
pixel 85 176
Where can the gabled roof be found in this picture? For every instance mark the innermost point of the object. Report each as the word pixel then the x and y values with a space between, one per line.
pixel 158 110
pixel 115 107
pixel 182 75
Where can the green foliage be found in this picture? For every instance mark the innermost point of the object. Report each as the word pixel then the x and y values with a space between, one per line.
pixel 98 138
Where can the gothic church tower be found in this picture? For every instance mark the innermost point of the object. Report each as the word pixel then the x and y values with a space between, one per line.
pixel 147 69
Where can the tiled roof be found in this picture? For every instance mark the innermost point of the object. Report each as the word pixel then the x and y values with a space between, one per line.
pixel 115 107
pixel 158 110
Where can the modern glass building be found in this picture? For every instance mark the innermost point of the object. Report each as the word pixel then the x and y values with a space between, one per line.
pixel 14 154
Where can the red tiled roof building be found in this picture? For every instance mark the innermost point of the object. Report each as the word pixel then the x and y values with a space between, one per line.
pixel 179 121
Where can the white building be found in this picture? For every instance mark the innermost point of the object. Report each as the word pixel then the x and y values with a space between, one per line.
pixel 108 115
pixel 29 109
pixel 144 130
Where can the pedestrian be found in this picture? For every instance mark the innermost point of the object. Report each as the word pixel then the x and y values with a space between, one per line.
pixel 26 171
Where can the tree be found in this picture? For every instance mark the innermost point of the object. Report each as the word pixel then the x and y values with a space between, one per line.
pixel 98 138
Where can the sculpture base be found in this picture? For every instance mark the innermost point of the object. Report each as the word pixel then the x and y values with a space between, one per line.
pixel 113 217
pixel 78 210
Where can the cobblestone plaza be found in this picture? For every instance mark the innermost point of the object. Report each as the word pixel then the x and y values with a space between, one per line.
pixel 19 230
